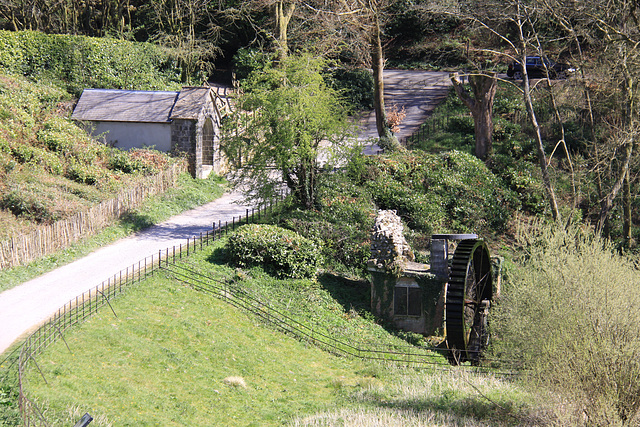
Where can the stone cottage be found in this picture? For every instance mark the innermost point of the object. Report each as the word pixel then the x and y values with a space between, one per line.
pixel 187 121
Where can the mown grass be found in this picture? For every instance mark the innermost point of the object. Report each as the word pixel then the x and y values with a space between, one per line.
pixel 187 194
pixel 175 356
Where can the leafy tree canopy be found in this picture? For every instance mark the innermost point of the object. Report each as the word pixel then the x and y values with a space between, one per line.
pixel 287 123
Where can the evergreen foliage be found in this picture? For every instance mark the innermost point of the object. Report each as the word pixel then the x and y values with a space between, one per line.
pixel 280 252
pixel 78 62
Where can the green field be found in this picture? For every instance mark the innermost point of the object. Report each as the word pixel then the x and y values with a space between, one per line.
pixel 176 356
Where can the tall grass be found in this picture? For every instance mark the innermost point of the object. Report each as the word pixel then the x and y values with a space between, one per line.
pixel 570 315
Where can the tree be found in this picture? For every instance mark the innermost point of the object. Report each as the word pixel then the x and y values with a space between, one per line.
pixel 481 105
pixel 363 22
pixel 500 20
pixel 186 27
pixel 282 118
pixel 610 93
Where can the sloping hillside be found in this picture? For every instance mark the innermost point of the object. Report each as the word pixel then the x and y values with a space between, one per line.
pixel 49 167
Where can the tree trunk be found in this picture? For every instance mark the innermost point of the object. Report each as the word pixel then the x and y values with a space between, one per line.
pixel 283 15
pixel 542 157
pixel 377 59
pixel 626 207
pixel 629 88
pixel 528 101
pixel 481 106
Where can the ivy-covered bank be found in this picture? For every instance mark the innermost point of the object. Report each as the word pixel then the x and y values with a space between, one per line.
pixel 78 62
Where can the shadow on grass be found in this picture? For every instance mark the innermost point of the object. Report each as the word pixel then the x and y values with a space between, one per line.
pixel 218 256
pixel 476 408
pixel 351 294
pixel 136 221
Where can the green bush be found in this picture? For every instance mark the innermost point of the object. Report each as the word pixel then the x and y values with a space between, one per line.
pixel 524 179
pixel 342 223
pixel 282 253
pixel 354 85
pixel 437 192
pixel 247 61
pixel 28 205
pixel 569 316
pixel 82 62
pixel 84 173
pixel 123 161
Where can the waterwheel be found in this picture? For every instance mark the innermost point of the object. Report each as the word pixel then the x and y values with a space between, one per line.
pixel 468 296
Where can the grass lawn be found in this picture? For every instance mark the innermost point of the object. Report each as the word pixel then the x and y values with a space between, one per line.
pixel 175 356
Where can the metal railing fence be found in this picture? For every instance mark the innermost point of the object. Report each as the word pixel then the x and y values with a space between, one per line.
pixel 83 306
pixel 404 354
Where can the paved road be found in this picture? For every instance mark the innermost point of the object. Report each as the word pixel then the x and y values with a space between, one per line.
pixel 418 92
pixel 26 306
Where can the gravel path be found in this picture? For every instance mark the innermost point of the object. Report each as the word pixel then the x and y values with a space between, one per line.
pixel 25 307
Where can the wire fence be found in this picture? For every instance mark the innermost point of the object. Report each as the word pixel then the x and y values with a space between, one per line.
pixel 404 354
pixel 83 306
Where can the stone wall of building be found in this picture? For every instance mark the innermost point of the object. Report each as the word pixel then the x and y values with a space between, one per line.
pixel 183 137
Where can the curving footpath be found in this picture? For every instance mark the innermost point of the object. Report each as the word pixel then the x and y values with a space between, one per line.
pixel 25 307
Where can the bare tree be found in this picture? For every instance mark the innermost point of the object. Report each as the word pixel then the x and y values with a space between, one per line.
pixel 499 19
pixel 363 20
pixel 484 89
pixel 612 28
pixel 187 27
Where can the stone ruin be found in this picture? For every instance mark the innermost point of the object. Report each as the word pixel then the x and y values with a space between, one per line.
pixel 389 249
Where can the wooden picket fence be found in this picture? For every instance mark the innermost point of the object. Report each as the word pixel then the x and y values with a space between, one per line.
pixel 49 238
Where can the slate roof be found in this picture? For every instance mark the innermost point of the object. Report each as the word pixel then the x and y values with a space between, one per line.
pixel 189 102
pixel 125 106
pixel 112 105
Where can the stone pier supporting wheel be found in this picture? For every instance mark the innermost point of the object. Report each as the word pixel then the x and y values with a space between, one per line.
pixel 469 292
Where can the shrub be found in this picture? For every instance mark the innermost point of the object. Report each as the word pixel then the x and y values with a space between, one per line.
pixel 523 179
pixel 84 173
pixel 28 205
pixel 355 86
pixel 247 61
pixel 436 192
pixel 281 252
pixel 124 162
pixel 569 314
pixel 86 61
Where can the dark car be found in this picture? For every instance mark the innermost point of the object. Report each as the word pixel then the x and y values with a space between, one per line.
pixel 537 67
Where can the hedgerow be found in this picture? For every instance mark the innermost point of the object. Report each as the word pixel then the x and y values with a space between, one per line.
pixel 79 62
pixel 281 252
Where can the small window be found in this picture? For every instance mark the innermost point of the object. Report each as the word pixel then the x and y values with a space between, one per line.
pixel 407 301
